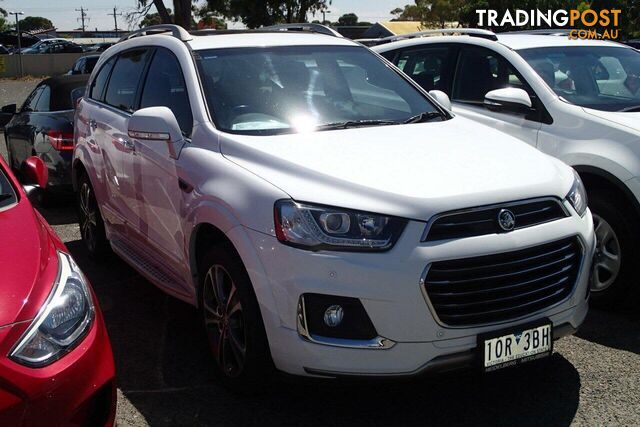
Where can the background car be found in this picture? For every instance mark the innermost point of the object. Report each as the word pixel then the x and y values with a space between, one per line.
pixel 54 46
pixel 84 64
pixel 4 50
pixel 56 362
pixel 43 127
pixel 99 47
pixel 578 100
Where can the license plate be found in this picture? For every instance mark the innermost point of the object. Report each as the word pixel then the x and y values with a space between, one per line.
pixel 508 348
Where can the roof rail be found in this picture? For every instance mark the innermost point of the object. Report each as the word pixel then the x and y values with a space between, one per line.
pixel 473 32
pixel 544 32
pixel 175 30
pixel 304 26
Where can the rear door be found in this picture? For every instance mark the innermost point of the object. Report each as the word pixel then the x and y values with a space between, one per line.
pixel 120 100
pixel 19 130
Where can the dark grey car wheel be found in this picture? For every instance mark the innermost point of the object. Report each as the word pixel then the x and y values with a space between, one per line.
pixel 90 220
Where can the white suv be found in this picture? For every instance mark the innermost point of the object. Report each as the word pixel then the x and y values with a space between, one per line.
pixel 324 214
pixel 577 100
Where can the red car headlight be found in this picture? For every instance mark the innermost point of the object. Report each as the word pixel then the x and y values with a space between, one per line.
pixel 61 323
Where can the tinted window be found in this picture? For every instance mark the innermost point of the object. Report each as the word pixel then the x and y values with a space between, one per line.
pixel 123 84
pixel 89 64
pixel 601 77
pixel 30 103
pixel 165 87
pixel 44 100
pixel 289 89
pixel 7 193
pixel 480 71
pixel 426 67
pixel 97 87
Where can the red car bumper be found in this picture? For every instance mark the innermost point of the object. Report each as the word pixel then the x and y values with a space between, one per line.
pixel 78 389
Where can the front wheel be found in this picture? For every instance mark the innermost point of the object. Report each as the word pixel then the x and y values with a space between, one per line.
pixel 614 263
pixel 233 322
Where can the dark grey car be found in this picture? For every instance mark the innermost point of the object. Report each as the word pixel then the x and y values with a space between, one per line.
pixel 43 127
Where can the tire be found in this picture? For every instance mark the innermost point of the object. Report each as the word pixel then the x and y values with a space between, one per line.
pixel 90 220
pixel 233 323
pixel 615 266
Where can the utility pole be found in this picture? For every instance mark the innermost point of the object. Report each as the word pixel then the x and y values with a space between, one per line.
pixel 19 44
pixel 324 19
pixel 115 18
pixel 83 16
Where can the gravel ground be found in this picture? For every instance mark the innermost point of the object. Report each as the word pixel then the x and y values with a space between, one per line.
pixel 15 91
pixel 165 377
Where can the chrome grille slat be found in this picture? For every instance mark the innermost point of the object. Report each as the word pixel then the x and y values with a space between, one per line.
pixel 483 220
pixel 499 287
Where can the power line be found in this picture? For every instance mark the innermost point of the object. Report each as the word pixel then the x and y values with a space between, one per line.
pixel 83 16
pixel 115 17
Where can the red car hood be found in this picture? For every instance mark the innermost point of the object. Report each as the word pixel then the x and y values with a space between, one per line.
pixel 28 263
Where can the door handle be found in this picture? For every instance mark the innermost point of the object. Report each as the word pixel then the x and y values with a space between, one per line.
pixel 128 145
pixel 93 124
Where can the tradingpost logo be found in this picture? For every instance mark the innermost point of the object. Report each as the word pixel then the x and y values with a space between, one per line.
pixel 607 20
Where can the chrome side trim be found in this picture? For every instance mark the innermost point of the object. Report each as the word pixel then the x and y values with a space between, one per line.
pixel 436 217
pixel 377 343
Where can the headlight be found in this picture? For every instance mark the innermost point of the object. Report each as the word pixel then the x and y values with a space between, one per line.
pixel 62 321
pixel 577 196
pixel 321 227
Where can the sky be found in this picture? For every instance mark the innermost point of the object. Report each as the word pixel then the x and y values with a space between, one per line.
pixel 64 16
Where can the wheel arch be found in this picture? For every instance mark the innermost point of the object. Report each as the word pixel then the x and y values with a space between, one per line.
pixel 596 178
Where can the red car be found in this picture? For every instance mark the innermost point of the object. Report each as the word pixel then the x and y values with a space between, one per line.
pixel 56 364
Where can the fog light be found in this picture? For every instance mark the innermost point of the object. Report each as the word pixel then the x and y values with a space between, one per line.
pixel 333 316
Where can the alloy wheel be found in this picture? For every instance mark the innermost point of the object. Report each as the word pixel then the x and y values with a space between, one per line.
pixel 88 217
pixel 224 321
pixel 607 259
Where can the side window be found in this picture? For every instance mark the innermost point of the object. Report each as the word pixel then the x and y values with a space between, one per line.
pixel 165 87
pixel 427 67
pixel 100 82
pixel 481 70
pixel 44 100
pixel 30 103
pixel 123 84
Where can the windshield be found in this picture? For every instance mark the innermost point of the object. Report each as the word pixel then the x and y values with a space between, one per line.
pixel 289 89
pixel 603 78
pixel 7 193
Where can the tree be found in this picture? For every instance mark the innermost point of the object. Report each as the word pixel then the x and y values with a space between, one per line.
pixel 438 12
pixel 153 19
pixel 410 12
pixel 257 13
pixel 182 16
pixel 4 25
pixel 31 23
pixel 348 19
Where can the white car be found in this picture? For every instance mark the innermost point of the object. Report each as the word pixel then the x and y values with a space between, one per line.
pixel 577 100
pixel 325 215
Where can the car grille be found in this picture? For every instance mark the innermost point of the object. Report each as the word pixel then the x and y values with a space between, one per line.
pixel 504 286
pixel 484 220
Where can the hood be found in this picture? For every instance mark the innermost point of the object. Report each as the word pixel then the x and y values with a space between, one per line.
pixel 629 120
pixel 28 263
pixel 412 171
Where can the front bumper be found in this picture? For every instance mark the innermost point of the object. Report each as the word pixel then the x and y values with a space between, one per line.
pixel 388 285
pixel 77 389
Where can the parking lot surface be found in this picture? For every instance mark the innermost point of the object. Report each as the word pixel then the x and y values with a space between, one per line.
pixel 165 376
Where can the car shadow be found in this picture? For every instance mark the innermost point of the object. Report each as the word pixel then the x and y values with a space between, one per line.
pixel 618 329
pixel 164 371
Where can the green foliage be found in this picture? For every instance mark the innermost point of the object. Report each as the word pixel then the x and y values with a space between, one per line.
pixel 31 23
pixel 348 19
pixel 410 12
pixel 257 13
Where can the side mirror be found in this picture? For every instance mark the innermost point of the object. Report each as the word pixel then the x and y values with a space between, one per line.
pixel 509 99
pixel 35 172
pixel 154 124
pixel 442 98
pixel 35 175
pixel 10 109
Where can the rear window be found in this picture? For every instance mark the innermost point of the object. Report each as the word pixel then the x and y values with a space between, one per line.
pixel 7 193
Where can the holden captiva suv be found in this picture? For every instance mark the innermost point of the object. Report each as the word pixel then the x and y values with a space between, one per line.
pixel 326 216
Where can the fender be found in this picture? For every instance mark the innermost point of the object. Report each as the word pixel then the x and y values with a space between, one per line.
pixel 614 181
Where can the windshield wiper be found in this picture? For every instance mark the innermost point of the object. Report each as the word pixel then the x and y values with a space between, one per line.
pixel 424 117
pixel 355 123
pixel 632 109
